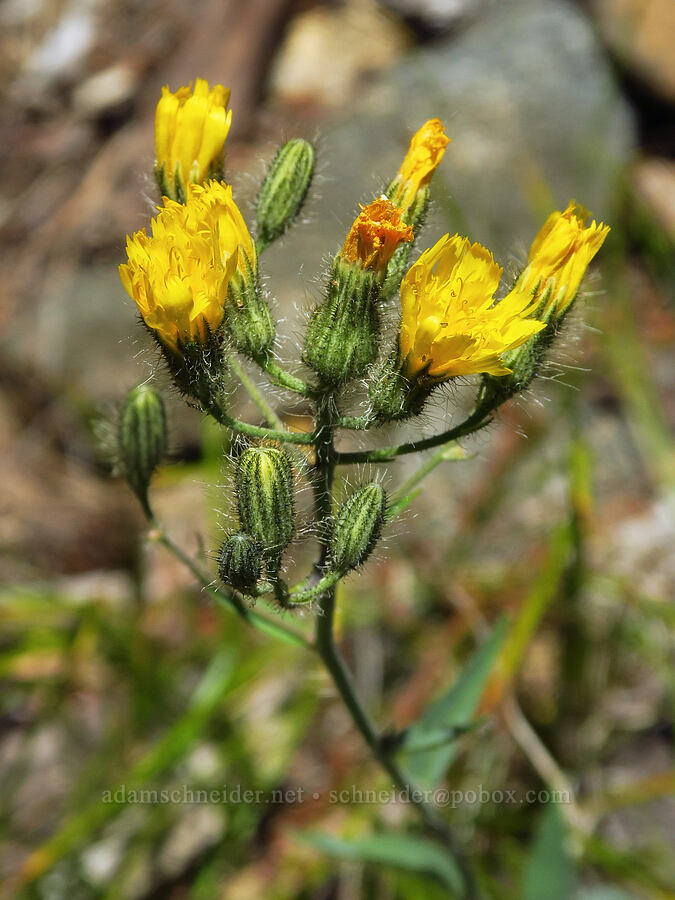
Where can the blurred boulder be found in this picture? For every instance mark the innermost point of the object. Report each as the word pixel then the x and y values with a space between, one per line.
pixel 328 52
pixel 641 34
pixel 654 182
pixel 434 17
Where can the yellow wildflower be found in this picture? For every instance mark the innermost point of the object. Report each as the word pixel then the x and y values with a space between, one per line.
pixel 376 233
pixel 559 257
pixel 424 155
pixel 180 275
pixel 190 132
pixel 451 324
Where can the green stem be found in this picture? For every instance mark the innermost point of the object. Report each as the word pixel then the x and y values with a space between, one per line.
pixel 478 419
pixel 231 600
pixel 355 423
pixel 300 594
pixel 327 649
pixel 255 394
pixel 283 378
pixel 403 495
pixel 258 431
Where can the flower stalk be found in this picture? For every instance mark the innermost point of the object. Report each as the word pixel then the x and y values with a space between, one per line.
pixel 195 280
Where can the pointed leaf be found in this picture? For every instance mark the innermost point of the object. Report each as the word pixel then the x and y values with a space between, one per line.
pixel 397 850
pixel 454 710
pixel 549 872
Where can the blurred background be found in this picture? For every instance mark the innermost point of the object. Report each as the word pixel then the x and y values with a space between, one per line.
pixel 117 670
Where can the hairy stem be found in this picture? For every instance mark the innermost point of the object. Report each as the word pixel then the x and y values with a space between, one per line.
pixel 258 431
pixel 478 419
pixel 406 492
pixel 284 379
pixel 231 599
pixel 355 423
pixel 326 458
pixel 270 416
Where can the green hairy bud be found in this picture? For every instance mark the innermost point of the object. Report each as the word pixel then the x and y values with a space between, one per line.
pixel 247 314
pixel 358 526
pixel 240 562
pixel 525 363
pixel 393 397
pixel 342 335
pixel 198 369
pixel 284 190
pixel 264 480
pixel 141 439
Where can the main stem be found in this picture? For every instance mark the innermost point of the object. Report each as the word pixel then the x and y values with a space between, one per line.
pixel 332 658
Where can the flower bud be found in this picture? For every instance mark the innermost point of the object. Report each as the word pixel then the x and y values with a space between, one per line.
pixel 141 439
pixel 240 562
pixel 343 333
pixel 247 314
pixel 264 480
pixel 358 526
pixel 284 190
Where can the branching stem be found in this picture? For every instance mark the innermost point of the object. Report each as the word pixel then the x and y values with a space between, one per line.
pixel 231 599
pixel 478 419
pixel 284 379
pixel 251 388
pixel 258 431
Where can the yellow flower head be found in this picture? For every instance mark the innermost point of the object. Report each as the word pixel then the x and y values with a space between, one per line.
pixel 376 233
pixel 190 132
pixel 451 324
pixel 424 155
pixel 559 257
pixel 180 275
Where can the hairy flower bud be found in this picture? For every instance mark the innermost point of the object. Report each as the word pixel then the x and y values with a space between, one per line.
pixel 393 396
pixel 141 439
pixel 240 562
pixel 358 526
pixel 248 319
pixel 284 190
pixel 264 480
pixel 343 333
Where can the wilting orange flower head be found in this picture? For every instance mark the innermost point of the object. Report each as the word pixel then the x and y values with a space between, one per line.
pixel 424 155
pixel 376 233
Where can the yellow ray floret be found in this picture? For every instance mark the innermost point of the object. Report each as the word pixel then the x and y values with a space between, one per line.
pixel 190 132
pixel 559 257
pixel 424 155
pixel 179 275
pixel 376 233
pixel 450 322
